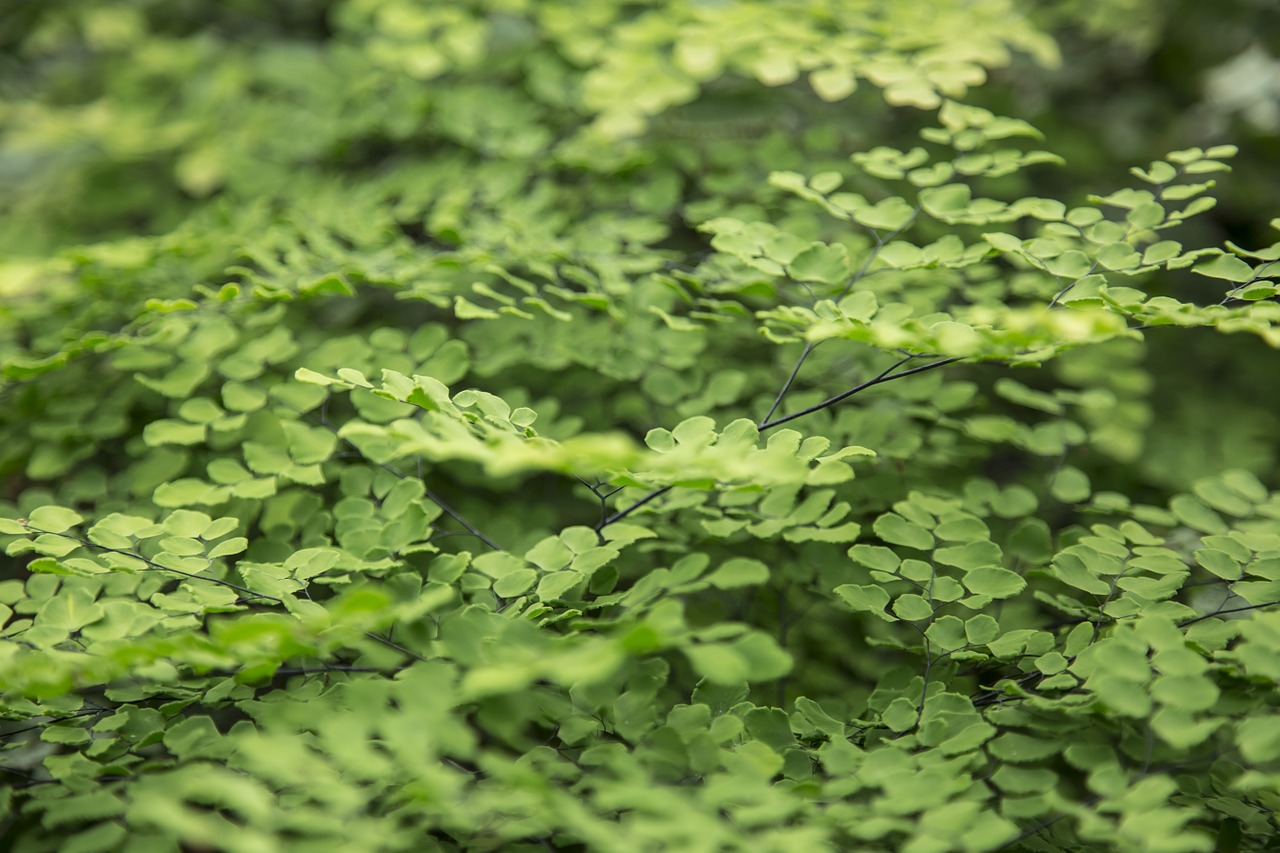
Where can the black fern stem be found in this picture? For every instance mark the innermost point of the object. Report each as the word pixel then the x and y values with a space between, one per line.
pixel 886 376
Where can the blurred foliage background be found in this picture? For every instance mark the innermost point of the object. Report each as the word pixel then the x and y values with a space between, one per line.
pixel 101 102
pixel 123 119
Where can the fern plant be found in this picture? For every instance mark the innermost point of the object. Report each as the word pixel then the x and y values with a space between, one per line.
pixel 544 426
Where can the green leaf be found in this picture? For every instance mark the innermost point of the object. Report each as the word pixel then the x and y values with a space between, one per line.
pixel 1019 748
pixel 981 629
pixel 1182 729
pixel 768 660
pixel 890 214
pixel 912 607
pixel 553 586
pixel 166 431
pixel 1070 485
pixel 822 263
pixel 739 572
pixel 85 807
pixel 989 831
pixel 814 714
pixel 997 583
pixel 53 519
pixel 1146 216
pixel 228 547
pixel 1031 540
pixel 1160 172
pixel 1051 663
pixel 1118 256
pixel 1219 563
pixel 1223 498
pixel 218 529
pixel 515 583
pixel 1259 738
pixel 770 726
pixel 178 383
pixel 1023 780
pixel 71 610
pixel 200 410
pixel 720 698
pixel 1226 267
pixel 947 632
pixel 238 397
pixel 897 530
pixel 946 202
pixel 961 527
pixel 195 737
pixel 1016 392
pixel 900 715
pixel 718 663
pixel 874 557
pixel 1014 502
pixel 1158 253
pixel 1195 514
pixel 187 523
pixel 1004 242
pixel 864 598
pixel 833 84
pixel 972 555
pixel 1185 692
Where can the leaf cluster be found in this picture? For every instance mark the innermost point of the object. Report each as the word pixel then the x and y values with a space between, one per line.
pixel 510 425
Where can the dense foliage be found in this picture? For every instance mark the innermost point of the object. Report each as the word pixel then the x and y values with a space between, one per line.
pixel 664 425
